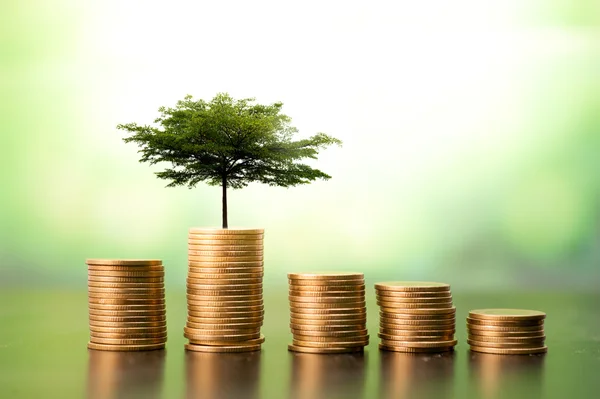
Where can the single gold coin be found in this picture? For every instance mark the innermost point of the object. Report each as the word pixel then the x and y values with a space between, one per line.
pixel 504 334
pixel 417 338
pixel 332 316
pixel 224 253
pixel 145 335
pixel 392 312
pixel 222 349
pixel 97 284
pixel 191 330
pixel 129 330
pixel 138 274
pixel 476 327
pixel 227 231
pixel 134 307
pixel 328 294
pixel 330 284
pixel 331 327
pixel 326 276
pixel 141 298
pixel 195 308
pixel 226 343
pixel 427 344
pixel 414 350
pixel 401 327
pixel 128 319
pixel 128 324
pixel 326 305
pixel 225 313
pixel 507 314
pixel 303 349
pixel 400 300
pixel 125 280
pixel 199 241
pixel 225 240
pixel 255 321
pixel 340 334
pixel 124 262
pixel 135 341
pixel 103 311
pixel 109 301
pixel 223 337
pixel 341 344
pixel 417 323
pixel 311 299
pixel 328 322
pixel 505 323
pixel 327 312
pixel 417 316
pixel 225 298
pixel 191 283
pixel 226 326
pixel 217 302
pixel 413 294
pixel 427 286
pixel 198 258
pixel 408 305
pixel 324 288
pixel 215 293
pixel 208 247
pixel 123 348
pixel 202 280
pixel 207 274
pixel 127 291
pixel 394 334
pixel 513 351
pixel 349 338
pixel 253 265
pixel 507 345
pixel 98 268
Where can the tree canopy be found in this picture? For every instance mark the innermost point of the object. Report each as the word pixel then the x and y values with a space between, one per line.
pixel 227 142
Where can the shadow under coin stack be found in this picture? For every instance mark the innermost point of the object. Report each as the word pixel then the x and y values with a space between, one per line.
pixel 126 300
pixel 224 290
pixel 328 312
pixel 416 316
pixel 506 331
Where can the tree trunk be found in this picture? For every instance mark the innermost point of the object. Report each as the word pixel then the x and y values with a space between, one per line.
pixel 224 185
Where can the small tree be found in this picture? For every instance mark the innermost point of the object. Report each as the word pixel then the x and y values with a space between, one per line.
pixel 229 143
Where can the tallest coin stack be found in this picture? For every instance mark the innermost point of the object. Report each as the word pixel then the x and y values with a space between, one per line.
pixel 224 290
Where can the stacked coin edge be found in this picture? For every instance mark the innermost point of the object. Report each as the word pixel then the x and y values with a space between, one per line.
pixel 224 290
pixel 416 316
pixel 327 312
pixel 126 303
pixel 506 331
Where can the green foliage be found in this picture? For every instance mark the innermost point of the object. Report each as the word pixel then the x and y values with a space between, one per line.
pixel 227 142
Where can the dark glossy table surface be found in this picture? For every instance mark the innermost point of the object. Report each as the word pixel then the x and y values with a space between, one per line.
pixel 43 336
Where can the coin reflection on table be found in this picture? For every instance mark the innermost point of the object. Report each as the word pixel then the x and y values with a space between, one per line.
pixel 125 374
pixel 328 376
pixel 497 376
pixel 416 375
pixel 223 375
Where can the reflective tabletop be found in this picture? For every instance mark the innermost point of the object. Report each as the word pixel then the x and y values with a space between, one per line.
pixel 43 354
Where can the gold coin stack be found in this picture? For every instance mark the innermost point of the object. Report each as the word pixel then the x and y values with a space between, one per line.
pixel 224 290
pixel 416 316
pixel 328 312
pixel 126 300
pixel 506 331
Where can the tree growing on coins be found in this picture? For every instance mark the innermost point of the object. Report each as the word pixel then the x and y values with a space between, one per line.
pixel 227 143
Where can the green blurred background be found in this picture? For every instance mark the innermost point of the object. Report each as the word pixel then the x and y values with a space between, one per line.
pixel 471 136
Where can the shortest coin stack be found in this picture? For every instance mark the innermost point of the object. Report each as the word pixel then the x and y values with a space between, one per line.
pixel 416 316
pixel 506 331
pixel 328 312
pixel 126 300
